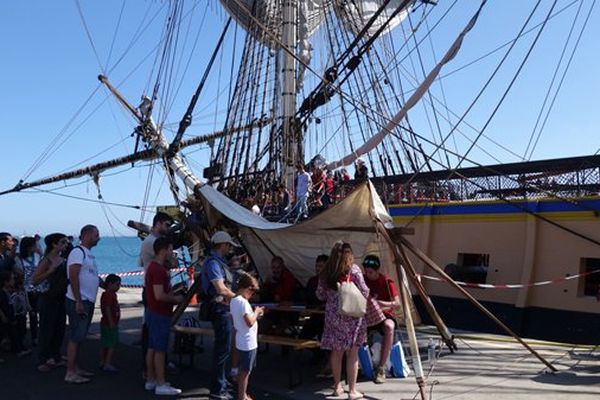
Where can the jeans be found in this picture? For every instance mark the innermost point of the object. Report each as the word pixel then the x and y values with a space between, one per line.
pixel 53 320
pixel 222 325
pixel 301 206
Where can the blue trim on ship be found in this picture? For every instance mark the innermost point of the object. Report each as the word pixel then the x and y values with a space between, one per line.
pixel 402 210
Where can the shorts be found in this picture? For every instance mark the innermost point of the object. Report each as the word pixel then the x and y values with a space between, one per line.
pixel 109 337
pixel 159 327
pixel 247 360
pixel 379 326
pixel 79 324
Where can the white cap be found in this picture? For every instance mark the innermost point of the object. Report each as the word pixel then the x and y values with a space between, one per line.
pixel 223 237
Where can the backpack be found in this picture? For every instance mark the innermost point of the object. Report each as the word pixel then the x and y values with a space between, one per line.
pixel 59 280
pixel 207 303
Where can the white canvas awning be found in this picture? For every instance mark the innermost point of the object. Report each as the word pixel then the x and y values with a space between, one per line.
pixel 353 220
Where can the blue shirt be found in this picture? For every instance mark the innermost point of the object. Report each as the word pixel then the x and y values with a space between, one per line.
pixel 214 269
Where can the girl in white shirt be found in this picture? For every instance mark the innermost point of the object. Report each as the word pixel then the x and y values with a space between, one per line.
pixel 245 321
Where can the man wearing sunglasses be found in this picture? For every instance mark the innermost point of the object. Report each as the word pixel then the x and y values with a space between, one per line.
pixel 383 289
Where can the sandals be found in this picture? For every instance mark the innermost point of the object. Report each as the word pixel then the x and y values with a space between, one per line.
pixel 355 396
pixel 76 379
pixel 339 392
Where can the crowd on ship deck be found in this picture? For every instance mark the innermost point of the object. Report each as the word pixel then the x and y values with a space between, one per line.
pixel 315 189
pixel 59 282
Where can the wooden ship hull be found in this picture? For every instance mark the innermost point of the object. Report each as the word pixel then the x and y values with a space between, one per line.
pixel 518 248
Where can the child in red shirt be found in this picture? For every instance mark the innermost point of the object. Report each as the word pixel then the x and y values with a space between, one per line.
pixel 109 324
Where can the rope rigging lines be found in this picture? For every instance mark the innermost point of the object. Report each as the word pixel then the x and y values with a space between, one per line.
pixel 559 86
pixel 366 91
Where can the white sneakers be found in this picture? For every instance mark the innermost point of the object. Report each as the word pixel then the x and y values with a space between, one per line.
pixel 166 390
pixel 162 390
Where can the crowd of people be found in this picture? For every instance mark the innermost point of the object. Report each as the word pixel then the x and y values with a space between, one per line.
pixel 229 311
pixel 46 287
pixel 315 188
pixel 62 281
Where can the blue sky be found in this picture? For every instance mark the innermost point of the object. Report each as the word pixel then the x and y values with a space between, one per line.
pixel 49 69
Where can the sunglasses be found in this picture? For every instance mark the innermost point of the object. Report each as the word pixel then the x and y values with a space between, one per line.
pixel 370 263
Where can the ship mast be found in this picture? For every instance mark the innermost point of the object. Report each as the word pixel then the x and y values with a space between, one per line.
pixel 291 143
pixel 157 141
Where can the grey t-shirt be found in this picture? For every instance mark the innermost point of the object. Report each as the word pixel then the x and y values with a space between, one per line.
pixel 147 251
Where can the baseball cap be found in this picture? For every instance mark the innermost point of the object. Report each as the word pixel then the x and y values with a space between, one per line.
pixel 223 237
pixel 371 261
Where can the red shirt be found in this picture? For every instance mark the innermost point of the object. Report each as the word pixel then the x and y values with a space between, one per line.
pixel 383 288
pixel 284 291
pixel 157 274
pixel 329 186
pixel 109 302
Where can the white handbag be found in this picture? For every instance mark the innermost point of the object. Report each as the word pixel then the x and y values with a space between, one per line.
pixel 351 303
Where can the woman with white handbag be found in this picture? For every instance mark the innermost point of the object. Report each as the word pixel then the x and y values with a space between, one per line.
pixel 342 286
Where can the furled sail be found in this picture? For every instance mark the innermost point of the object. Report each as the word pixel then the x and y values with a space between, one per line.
pixel 356 14
pixel 268 13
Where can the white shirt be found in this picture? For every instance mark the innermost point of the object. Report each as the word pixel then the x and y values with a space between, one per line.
pixel 246 338
pixel 88 275
pixel 147 251
pixel 302 184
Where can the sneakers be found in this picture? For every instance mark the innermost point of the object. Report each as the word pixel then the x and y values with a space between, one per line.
pixel 166 390
pixel 74 378
pixel 380 375
pixel 150 385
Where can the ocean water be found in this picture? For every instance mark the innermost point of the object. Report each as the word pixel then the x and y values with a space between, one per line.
pixel 120 254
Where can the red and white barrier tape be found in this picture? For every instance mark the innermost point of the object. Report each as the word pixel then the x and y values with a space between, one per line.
pixel 510 286
pixel 138 273
pixel 431 278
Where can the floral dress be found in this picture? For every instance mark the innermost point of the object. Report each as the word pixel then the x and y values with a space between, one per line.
pixel 341 332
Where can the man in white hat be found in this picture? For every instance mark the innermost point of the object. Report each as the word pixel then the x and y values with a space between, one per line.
pixel 361 172
pixel 216 287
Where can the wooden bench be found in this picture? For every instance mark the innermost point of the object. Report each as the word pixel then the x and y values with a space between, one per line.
pixel 297 345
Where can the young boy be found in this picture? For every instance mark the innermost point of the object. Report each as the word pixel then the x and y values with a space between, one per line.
pixel 109 324
pixel 20 308
pixel 159 308
pixel 245 322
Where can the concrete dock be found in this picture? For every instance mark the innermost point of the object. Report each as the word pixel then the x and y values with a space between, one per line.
pixel 485 366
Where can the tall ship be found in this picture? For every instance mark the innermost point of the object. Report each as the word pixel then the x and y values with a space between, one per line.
pixel 356 90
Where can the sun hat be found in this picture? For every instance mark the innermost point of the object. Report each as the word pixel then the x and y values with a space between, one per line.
pixel 220 237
